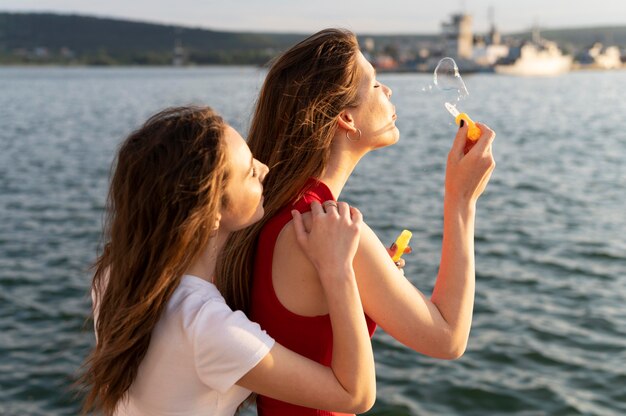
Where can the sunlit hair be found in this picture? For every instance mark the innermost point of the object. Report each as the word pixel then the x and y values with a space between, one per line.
pixel 165 194
pixel 294 123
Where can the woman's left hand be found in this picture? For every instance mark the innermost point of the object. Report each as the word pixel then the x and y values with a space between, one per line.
pixel 392 251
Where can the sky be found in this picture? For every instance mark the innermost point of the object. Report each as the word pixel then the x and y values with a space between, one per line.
pixel 361 16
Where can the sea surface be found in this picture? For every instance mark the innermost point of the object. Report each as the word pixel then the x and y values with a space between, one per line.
pixel 549 329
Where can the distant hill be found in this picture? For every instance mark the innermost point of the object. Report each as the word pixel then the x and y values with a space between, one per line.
pixel 122 41
pixel 74 39
pixel 577 38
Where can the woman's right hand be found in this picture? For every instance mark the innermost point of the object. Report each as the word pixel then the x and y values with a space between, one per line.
pixel 332 237
pixel 469 165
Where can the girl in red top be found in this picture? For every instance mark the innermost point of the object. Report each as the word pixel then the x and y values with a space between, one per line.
pixel 320 110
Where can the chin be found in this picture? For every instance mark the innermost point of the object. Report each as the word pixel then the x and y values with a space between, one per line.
pixel 396 138
pixel 389 141
pixel 258 215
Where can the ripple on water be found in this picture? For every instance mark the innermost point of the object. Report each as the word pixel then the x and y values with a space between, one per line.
pixel 549 328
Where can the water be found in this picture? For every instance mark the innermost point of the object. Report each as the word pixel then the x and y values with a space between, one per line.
pixel 549 331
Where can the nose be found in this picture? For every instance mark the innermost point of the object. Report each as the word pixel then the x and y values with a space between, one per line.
pixel 264 171
pixel 388 91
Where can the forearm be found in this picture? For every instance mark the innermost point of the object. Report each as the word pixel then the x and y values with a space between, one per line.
pixel 453 294
pixel 353 361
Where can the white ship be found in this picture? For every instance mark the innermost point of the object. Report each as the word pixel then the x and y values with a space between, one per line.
pixel 600 57
pixel 537 58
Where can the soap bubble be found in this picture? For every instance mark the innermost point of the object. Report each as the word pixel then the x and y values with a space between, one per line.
pixel 448 85
pixel 448 80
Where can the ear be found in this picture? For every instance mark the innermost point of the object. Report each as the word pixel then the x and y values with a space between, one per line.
pixel 218 218
pixel 346 121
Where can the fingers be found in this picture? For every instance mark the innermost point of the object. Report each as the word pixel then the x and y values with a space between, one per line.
pixel 357 217
pixel 307 218
pixel 483 150
pixel 463 146
pixel 486 138
pixel 394 248
pixel 316 208
pixel 459 142
pixel 298 226
pixel 331 207
pixel 343 209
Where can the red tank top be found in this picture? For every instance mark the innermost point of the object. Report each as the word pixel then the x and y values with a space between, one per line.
pixel 311 337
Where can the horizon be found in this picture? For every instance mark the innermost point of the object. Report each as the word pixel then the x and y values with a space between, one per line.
pixel 353 15
pixel 220 30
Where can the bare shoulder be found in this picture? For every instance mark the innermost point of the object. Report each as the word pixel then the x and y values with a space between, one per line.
pixel 294 277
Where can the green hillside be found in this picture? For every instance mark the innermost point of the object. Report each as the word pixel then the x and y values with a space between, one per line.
pixel 89 39
pixel 43 38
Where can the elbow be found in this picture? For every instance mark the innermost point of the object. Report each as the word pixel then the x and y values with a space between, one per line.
pixel 362 401
pixel 448 348
pixel 454 350
pixel 455 354
pixel 365 402
pixel 368 400
pixel 363 408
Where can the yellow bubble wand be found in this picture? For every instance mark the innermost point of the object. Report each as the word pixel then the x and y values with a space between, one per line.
pixel 401 243
pixel 473 131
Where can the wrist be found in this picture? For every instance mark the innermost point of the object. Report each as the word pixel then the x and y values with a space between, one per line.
pixel 461 205
pixel 336 273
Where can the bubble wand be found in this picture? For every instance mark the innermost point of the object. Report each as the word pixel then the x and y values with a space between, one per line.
pixel 473 131
pixel 401 243
pixel 448 79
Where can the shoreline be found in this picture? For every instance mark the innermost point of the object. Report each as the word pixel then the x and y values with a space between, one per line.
pixel 575 68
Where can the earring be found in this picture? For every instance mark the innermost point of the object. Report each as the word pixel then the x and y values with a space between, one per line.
pixel 351 139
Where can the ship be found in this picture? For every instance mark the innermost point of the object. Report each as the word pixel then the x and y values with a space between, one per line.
pixel 538 57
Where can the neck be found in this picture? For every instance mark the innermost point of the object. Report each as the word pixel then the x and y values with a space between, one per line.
pixel 205 264
pixel 343 159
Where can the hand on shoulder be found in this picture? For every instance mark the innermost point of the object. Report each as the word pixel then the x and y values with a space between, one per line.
pixel 331 238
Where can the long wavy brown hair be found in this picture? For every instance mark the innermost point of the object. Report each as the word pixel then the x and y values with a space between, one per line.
pixel 165 193
pixel 294 123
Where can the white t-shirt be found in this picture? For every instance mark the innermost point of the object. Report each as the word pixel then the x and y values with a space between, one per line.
pixel 198 350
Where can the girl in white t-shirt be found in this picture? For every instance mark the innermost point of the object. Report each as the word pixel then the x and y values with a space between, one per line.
pixel 167 343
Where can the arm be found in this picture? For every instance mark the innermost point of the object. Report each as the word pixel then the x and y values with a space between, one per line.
pixel 439 326
pixel 349 385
